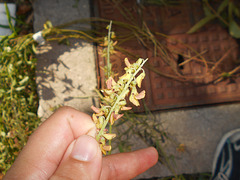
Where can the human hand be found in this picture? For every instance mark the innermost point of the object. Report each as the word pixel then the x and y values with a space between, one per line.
pixel 64 147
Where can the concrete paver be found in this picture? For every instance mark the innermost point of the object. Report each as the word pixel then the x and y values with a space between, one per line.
pixel 65 74
pixel 199 129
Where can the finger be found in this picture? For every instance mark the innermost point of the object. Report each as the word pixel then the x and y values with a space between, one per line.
pixel 128 165
pixel 47 145
pixel 84 161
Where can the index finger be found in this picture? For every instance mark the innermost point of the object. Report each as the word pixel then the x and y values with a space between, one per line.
pixel 47 145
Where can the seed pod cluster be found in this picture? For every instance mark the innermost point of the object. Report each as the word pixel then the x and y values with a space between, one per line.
pixel 114 100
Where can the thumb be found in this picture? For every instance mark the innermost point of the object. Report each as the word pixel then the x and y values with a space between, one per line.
pixel 82 160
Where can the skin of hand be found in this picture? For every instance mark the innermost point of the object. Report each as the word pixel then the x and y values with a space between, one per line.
pixel 64 147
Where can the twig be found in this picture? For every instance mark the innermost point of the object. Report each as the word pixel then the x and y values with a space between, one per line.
pixel 219 17
pixel 221 59
pixel 229 73
pixel 108 51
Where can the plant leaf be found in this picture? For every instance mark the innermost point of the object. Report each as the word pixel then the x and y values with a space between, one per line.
pixel 201 23
pixel 207 10
pixel 20 88
pixel 2 91
pixel 24 80
pixel 4 26
pixel 222 6
pixel 9 19
pixel 234 29
pixel 230 11
pixel 31 114
pixel 236 11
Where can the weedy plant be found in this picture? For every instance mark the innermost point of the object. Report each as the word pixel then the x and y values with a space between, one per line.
pixel 115 100
pixel 114 96
pixel 227 12
pixel 18 97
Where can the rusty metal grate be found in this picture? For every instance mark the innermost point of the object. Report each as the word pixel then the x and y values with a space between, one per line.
pixel 213 43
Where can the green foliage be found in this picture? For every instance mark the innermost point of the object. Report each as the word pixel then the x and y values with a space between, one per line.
pixel 113 101
pixel 227 12
pixel 18 97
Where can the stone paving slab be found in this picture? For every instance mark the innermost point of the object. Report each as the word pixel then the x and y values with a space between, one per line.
pixel 66 76
pixel 60 12
pixel 65 73
pixel 199 129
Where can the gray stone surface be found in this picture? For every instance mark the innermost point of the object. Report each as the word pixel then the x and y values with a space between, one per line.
pixel 65 73
pixel 65 76
pixel 60 12
pixel 199 129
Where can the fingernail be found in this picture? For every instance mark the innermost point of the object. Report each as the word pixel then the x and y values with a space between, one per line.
pixel 85 148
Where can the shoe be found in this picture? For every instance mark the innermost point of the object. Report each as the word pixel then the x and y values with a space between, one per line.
pixel 226 163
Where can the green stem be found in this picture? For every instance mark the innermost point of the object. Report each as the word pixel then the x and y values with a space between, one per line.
pixel 217 14
pixel 110 141
pixel 10 20
pixel 108 50
pixel 118 99
pixel 109 67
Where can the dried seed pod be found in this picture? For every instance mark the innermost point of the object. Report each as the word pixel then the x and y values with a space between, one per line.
pixel 114 97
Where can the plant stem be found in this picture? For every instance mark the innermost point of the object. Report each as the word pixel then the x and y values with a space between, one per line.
pixel 109 67
pixel 118 99
pixel 108 51
pixel 217 14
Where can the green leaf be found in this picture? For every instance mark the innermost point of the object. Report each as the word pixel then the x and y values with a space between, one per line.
pixel 19 62
pixel 10 68
pixel 24 80
pixel 2 91
pixel 222 6
pixel 206 10
pixel 236 11
pixel 20 88
pixel 234 29
pixel 201 23
pixel 34 48
pixel 9 19
pixel 2 133
pixel 120 148
pixel 48 25
pixel 31 114
pixel 4 26
pixel 230 11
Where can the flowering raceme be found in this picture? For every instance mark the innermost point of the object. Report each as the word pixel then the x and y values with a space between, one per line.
pixel 114 100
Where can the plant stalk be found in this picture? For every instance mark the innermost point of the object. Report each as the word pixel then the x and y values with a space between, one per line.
pixel 118 99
